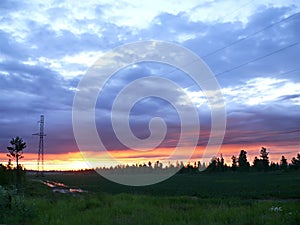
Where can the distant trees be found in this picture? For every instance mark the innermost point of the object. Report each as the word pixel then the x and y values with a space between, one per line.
pixel 239 163
pixel 257 164
pixel 263 162
pixel 217 164
pixel 283 163
pixel 296 162
pixel 234 163
pixel 243 164
pixel 213 165
pixel 9 165
pixel 264 157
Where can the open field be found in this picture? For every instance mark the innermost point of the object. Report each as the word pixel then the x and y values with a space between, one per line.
pixel 219 198
pixel 205 185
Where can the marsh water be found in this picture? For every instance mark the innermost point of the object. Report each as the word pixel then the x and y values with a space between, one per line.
pixel 58 187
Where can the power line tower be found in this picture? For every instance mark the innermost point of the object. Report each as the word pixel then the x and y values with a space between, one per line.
pixel 40 162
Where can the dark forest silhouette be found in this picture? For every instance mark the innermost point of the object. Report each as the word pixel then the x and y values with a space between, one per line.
pixel 240 163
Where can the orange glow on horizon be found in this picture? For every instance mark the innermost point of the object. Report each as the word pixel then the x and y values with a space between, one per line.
pixel 76 161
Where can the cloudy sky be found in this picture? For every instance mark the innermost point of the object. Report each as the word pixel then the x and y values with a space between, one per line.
pixel 252 47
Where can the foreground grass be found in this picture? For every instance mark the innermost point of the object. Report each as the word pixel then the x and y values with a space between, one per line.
pixel 271 198
pixel 139 209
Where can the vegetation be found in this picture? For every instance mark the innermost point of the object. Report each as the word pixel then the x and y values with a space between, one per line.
pixel 206 198
pixel 261 164
pixel 240 193
pixel 16 153
pixel 140 209
pixel 14 207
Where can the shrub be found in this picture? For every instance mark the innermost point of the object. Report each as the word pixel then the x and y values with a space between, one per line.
pixel 13 206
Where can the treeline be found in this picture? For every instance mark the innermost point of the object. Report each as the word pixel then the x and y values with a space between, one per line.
pixel 240 163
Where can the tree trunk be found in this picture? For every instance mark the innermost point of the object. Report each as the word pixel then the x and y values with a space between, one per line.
pixel 17 178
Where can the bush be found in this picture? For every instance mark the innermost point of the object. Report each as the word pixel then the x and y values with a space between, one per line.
pixel 5 200
pixel 13 206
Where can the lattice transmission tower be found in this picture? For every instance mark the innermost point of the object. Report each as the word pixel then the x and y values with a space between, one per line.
pixel 40 161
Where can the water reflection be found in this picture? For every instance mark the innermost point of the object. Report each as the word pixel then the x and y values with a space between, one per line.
pixel 61 187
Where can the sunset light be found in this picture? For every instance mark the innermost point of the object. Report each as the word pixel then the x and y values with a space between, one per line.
pixel 249 74
pixel 149 112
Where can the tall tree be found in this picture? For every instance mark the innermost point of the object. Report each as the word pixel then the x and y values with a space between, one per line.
pixel 212 165
pixel 296 161
pixel 283 162
pixel 243 161
pixel 16 149
pixel 16 153
pixel 264 155
pixel 234 163
pixel 222 162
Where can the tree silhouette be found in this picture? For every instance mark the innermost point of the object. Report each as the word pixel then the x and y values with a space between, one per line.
pixel 16 153
pixel 296 161
pixel 258 164
pixel 242 161
pixel 9 165
pixel 264 158
pixel 283 163
pixel 221 164
pixel 234 163
pixel 213 164
pixel 274 166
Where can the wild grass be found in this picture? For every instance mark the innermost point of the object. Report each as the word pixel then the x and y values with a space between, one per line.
pixel 141 209
pixel 225 198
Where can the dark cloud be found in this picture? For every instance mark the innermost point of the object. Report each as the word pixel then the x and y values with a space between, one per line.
pixel 30 90
pixel 288 97
pixel 26 93
pixel 270 124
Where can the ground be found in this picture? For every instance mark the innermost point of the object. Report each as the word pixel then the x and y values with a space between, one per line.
pixel 218 198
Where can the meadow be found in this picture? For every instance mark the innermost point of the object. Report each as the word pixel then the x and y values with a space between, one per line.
pixel 206 198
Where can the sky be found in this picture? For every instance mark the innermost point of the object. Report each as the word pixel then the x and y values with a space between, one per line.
pixel 252 48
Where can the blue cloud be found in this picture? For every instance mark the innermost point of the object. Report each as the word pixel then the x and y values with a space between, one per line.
pixel 28 90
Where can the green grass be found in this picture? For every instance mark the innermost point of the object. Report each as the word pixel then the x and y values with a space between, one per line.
pixel 225 198
pixel 140 209
pixel 243 185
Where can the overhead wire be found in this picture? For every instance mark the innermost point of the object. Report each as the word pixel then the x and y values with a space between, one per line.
pixel 251 35
pixel 240 40
pixel 256 59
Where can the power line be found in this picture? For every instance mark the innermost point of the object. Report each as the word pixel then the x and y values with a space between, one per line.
pixel 256 59
pixel 250 35
pixel 246 63
pixel 238 41
pixel 238 9
pixel 287 72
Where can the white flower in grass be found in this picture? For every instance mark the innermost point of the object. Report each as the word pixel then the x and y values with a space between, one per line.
pixel 276 209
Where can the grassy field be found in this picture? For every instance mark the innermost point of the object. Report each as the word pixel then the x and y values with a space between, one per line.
pixel 205 185
pixel 220 198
